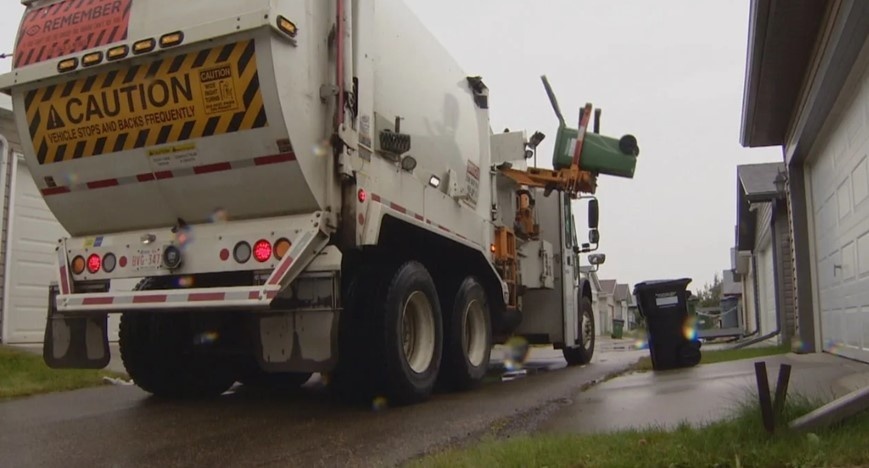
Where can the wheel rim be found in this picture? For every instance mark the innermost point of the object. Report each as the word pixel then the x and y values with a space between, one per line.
pixel 418 332
pixel 474 339
pixel 587 329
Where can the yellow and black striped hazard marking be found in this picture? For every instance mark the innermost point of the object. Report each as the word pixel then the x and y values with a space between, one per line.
pixel 199 94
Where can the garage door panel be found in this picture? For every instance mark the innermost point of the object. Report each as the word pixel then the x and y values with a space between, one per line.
pixel 853 327
pixel 844 199
pixel 860 182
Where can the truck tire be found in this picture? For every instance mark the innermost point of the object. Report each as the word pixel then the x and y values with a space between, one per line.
pixel 408 335
pixel 584 350
pixel 351 378
pixel 467 336
pixel 157 351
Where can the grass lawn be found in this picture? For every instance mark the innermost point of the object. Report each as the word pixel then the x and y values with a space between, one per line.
pixel 24 374
pixel 722 355
pixel 740 441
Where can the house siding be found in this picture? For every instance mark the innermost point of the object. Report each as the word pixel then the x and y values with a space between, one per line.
pixel 786 290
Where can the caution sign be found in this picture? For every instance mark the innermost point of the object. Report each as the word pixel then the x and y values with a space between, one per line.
pixel 70 26
pixel 195 95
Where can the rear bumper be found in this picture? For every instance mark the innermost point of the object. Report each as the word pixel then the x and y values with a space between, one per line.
pixel 245 298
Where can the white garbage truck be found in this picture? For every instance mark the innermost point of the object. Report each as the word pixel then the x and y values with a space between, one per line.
pixel 295 187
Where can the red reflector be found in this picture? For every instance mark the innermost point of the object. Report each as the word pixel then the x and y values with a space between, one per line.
pixel 122 262
pixel 362 196
pixel 94 263
pixel 224 254
pixel 262 251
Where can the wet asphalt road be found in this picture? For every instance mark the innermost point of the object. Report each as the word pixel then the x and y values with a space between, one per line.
pixel 123 426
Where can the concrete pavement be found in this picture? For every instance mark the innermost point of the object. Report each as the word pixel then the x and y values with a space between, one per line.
pixel 123 426
pixel 701 394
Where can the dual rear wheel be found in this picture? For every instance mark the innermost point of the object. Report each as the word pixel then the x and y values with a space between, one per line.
pixel 399 337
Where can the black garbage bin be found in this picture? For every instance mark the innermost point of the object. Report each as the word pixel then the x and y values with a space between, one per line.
pixel 664 305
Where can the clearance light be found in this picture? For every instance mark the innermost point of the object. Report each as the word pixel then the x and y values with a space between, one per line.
pixel 94 58
pixel 117 53
pixel 109 262
pixel 282 246
pixel 492 248
pixel 67 65
pixel 171 39
pixel 287 27
pixel 78 265
pixel 362 196
pixel 434 181
pixel 262 251
pixel 144 46
pixel 241 252
pixel 94 263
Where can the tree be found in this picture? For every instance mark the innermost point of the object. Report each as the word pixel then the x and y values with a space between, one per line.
pixel 710 295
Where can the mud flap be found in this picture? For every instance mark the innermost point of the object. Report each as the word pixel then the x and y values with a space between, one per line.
pixel 297 341
pixel 303 336
pixel 74 342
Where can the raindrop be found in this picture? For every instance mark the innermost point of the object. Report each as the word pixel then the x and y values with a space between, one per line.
pixel 517 353
pixel 321 149
pixel 379 403
pixel 219 215
pixel 186 282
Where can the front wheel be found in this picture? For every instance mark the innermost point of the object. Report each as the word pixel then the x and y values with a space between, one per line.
pixel 582 352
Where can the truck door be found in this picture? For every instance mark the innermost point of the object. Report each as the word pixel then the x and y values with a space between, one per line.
pixel 569 269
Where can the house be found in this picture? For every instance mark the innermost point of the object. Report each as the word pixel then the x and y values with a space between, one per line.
pixel 27 247
pixel 613 304
pixel 763 258
pixel 622 298
pixel 807 92
pixel 606 307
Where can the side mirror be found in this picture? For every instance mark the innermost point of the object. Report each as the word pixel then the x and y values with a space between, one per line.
pixel 593 214
pixel 594 236
pixel 597 259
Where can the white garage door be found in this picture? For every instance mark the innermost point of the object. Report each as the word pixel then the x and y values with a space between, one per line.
pixel 766 287
pixel 30 262
pixel 839 177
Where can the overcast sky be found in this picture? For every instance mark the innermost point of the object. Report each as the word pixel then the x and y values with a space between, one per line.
pixel 670 72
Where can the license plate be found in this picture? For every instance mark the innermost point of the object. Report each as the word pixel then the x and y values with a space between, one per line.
pixel 147 259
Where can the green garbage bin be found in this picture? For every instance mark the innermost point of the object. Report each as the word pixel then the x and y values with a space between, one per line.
pixel 600 154
pixel 618 328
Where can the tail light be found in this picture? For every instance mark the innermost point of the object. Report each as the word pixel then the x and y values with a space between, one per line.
pixel 78 265
pixel 94 263
pixel 282 246
pixel 241 252
pixel 262 251
pixel 109 262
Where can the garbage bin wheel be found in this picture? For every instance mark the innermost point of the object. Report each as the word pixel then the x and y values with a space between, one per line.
pixel 583 351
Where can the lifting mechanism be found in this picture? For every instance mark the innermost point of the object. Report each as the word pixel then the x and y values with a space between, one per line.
pixel 572 180
pixel 577 166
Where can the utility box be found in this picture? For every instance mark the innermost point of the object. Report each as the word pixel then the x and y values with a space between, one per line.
pixel 535 263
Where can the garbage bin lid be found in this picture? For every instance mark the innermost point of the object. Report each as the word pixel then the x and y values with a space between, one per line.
pixel 662 284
